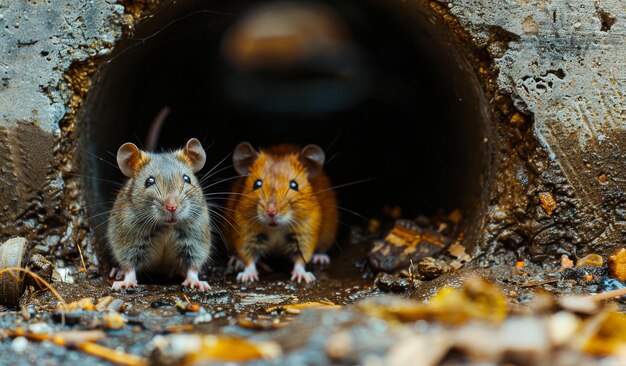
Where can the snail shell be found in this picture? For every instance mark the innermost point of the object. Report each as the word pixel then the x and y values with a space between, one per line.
pixel 13 253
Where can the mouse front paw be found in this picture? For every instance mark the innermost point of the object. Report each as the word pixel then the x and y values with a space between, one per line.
pixel 120 285
pixel 300 274
pixel 250 274
pixel 194 283
pixel 129 281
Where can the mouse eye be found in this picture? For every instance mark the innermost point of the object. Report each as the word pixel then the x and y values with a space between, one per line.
pixel 150 181
pixel 257 184
pixel 293 185
pixel 186 178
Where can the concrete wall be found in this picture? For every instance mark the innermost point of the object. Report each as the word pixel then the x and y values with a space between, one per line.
pixel 555 71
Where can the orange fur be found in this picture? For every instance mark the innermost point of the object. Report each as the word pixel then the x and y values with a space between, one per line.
pixel 313 208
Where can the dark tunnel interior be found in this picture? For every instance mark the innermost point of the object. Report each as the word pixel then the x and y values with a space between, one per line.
pixel 386 92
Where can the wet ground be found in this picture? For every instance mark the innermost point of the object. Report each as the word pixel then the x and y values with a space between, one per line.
pixel 336 332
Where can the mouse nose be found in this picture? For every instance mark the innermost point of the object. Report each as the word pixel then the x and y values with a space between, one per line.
pixel 271 210
pixel 171 206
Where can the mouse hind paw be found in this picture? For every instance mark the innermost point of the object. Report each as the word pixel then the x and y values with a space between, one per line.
pixel 321 259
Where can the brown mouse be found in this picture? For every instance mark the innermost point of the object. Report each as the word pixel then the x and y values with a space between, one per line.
pixel 283 202
pixel 160 219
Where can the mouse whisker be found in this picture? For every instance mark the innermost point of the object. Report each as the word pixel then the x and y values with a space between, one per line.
pixel 216 165
pixel 344 185
pixel 110 181
pixel 223 217
pixel 352 212
pixel 218 182
pixel 206 177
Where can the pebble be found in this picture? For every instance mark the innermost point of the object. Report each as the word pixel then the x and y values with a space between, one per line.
pixel 19 344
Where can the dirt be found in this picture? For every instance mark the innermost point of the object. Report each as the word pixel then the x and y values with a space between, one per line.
pixel 260 311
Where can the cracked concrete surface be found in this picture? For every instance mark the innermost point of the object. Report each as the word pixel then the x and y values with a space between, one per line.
pixel 562 64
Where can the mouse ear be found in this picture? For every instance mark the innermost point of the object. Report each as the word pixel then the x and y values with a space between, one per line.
pixel 130 159
pixel 193 154
pixel 313 157
pixel 243 157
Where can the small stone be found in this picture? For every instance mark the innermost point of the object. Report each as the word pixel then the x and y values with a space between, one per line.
pixel 602 178
pixel 40 328
pixel 116 305
pixel 113 320
pixel 562 326
pixel 159 304
pixel 593 260
pixel 28 312
pixel 547 202
pixel 577 25
pixel 566 262
pixel 431 268
pixel 617 265
pixel 339 345
pixel 19 344
pixel 104 302
pixel 517 119
pixel 390 283
pixel 203 318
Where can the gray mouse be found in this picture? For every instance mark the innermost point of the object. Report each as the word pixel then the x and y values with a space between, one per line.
pixel 160 220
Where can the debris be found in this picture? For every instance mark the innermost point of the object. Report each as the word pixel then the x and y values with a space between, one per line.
pixel 179 328
pixel 566 262
pixel 391 283
pixel 13 254
pixel 39 327
pixel 429 350
pixel 187 307
pixel 84 345
pixel 113 320
pixel 519 264
pixel 254 298
pixel 373 225
pixel 593 260
pixel 406 241
pixel 40 265
pixel 579 304
pixel 602 178
pixel 160 304
pixel 104 302
pixel 455 216
pixel 431 268
pixel 617 265
pixel 517 119
pixel 260 323
pixel 82 304
pixel 562 327
pixel 19 344
pixel 477 300
pixel 339 345
pixel 77 336
pixel 203 318
pixel 297 308
pixel 539 283
pixel 547 202
pixel 190 349
pixel 458 251
pixel 605 334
